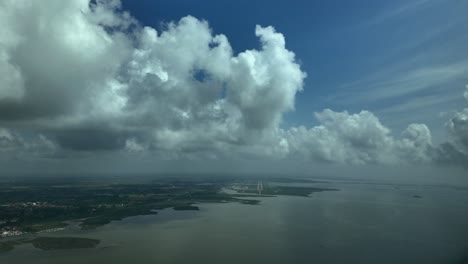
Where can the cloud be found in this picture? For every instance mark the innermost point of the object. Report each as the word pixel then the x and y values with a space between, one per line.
pixel 91 77
pixel 14 146
pixel 457 148
pixel 238 95
pixel 403 82
pixel 359 139
pixel 465 94
pixel 85 77
pixel 60 56
pixel 362 139
pixel 396 12
pixel 416 144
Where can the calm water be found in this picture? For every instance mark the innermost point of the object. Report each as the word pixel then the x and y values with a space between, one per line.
pixel 361 223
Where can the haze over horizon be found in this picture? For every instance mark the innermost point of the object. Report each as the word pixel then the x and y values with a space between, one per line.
pixel 105 86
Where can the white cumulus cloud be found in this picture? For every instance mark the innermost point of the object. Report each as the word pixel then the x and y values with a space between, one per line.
pixel 358 139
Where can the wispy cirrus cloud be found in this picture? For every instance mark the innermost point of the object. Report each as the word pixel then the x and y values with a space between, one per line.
pixel 395 12
pixel 406 82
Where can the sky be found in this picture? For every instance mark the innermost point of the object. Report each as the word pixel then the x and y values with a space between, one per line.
pixel 355 54
pixel 156 85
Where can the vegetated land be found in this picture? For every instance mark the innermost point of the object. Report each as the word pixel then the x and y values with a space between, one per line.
pixel 46 205
pixel 272 190
pixel 51 243
pixel 40 206
pixel 55 243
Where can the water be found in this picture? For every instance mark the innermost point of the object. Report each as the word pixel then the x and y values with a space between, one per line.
pixel 361 223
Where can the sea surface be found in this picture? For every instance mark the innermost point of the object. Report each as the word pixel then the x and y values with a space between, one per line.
pixel 361 223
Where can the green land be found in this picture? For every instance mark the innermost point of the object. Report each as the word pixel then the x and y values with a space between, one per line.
pixel 51 243
pixel 273 190
pixel 56 243
pixel 48 205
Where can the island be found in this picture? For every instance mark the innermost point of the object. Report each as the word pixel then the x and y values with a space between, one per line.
pixel 51 243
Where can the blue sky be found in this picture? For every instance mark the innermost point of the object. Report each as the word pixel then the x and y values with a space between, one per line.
pixel 403 60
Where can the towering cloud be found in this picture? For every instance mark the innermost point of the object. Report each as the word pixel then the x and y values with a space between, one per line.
pixel 59 58
pixel 456 150
pixel 359 139
pixel 458 126
pixel 196 95
pixel 85 77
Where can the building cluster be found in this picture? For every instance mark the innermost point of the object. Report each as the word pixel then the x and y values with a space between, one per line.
pixel 9 231
pixel 26 204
